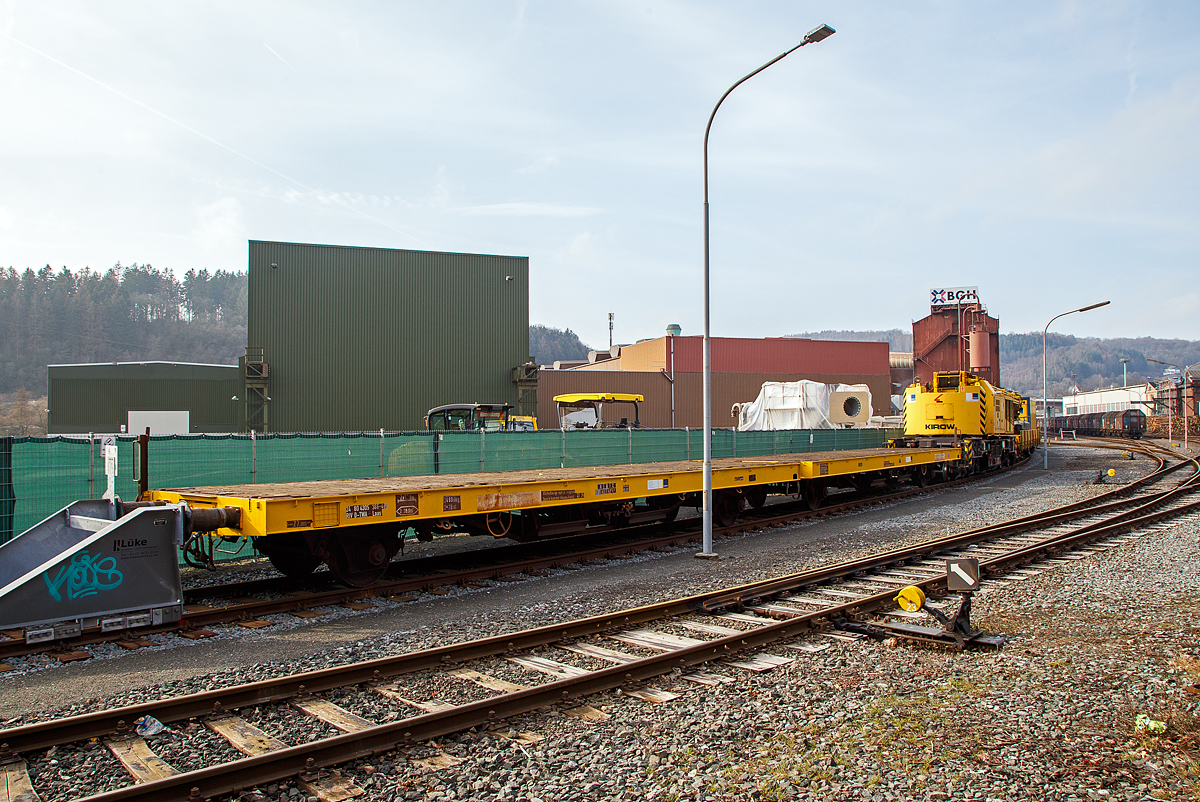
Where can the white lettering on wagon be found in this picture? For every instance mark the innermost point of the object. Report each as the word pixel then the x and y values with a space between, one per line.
pixel 365 510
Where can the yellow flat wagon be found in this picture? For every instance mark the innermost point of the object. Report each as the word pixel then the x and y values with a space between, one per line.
pixel 353 525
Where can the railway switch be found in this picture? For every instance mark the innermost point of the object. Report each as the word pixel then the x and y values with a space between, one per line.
pixel 962 575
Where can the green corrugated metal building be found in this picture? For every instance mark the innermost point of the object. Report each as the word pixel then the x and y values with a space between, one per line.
pixel 358 339
pixel 99 397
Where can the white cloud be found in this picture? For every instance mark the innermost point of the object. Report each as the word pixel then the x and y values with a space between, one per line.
pixel 1050 143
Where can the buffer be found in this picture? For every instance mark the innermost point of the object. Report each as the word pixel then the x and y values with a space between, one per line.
pixel 99 564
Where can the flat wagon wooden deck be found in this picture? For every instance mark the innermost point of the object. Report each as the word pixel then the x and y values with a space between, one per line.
pixel 293 507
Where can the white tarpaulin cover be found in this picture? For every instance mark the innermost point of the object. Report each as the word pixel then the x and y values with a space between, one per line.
pixel 791 405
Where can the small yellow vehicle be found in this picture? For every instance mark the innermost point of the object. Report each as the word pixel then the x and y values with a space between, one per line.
pixel 522 423
pixel 586 410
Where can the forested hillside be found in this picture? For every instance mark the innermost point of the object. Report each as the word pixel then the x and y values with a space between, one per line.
pixel 1088 362
pixel 897 339
pixel 127 313
pixel 547 345
pixel 137 312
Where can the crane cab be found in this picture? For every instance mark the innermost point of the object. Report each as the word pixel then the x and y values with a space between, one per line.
pixel 468 417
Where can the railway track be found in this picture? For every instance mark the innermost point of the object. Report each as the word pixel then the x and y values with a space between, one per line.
pixel 693 639
pixel 229 603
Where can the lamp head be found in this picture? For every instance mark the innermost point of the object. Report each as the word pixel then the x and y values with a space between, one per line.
pixel 1095 306
pixel 818 34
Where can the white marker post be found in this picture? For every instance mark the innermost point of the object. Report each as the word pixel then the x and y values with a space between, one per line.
pixel 110 468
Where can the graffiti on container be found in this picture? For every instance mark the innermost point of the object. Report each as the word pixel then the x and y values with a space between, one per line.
pixel 85 575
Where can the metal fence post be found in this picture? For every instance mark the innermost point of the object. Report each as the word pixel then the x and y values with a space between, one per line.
pixel 735 442
pixel 91 465
pixel 687 433
pixel 482 452
pixel 381 473
pixel 8 496
pixel 562 462
pixel 253 458
pixel 630 428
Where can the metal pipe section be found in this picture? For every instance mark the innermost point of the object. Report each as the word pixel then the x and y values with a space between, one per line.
pixel 815 35
pixel 210 519
pixel 143 462
pixel 1182 397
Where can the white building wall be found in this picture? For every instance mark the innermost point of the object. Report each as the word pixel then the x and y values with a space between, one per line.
pixel 1116 399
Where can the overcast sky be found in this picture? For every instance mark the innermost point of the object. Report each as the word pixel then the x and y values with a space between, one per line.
pixel 1046 152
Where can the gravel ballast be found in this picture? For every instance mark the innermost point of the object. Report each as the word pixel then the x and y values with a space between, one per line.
pixel 1051 716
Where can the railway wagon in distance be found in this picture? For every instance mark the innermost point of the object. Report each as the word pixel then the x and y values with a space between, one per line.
pixel 355 526
pixel 1130 423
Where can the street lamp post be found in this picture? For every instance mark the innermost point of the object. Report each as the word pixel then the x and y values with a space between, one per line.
pixel 1045 400
pixel 1187 381
pixel 1171 401
pixel 815 35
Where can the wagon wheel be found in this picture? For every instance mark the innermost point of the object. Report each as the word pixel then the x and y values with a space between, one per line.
pixel 756 496
pixel 727 505
pixel 358 562
pixel 294 564
pixel 668 504
pixel 293 559
pixel 920 476
pixel 814 494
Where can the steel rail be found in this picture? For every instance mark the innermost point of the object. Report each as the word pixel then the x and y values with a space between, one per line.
pixel 234 776
pixel 487 571
pixel 41 735
pixel 232 613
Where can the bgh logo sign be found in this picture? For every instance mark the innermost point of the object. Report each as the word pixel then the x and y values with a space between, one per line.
pixel 953 296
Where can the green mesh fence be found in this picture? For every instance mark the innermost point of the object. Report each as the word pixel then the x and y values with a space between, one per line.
pixel 41 475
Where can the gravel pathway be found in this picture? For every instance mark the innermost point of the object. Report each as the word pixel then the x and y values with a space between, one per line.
pixel 1052 716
